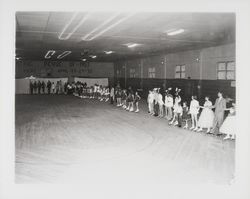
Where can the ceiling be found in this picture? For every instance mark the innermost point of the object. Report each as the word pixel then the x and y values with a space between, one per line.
pixel 38 32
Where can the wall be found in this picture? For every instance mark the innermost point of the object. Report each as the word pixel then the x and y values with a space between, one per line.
pixel 209 57
pixel 200 64
pixel 201 67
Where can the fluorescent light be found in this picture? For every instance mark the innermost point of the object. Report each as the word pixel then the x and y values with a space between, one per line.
pixel 64 54
pixel 175 32
pixel 109 52
pixel 66 26
pixel 17 58
pixel 84 59
pixel 74 29
pixel 131 45
pixel 93 56
pixel 49 54
pixel 111 26
pixel 98 27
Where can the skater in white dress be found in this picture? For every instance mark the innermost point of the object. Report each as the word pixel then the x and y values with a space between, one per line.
pixel 207 116
pixel 160 103
pixel 177 100
pixel 194 110
pixel 229 125
pixel 169 103
pixel 150 101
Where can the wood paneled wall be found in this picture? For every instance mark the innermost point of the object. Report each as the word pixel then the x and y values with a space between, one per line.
pixel 201 88
pixel 201 67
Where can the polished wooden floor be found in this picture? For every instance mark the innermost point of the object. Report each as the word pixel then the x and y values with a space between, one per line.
pixel 64 139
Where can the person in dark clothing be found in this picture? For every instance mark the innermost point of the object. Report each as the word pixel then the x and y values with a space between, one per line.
pixel 31 88
pixel 49 86
pixel 80 92
pixel 35 87
pixel 57 87
pixel 43 87
pixel 39 85
pixel 65 87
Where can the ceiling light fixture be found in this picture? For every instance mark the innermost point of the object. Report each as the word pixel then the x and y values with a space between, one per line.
pixel 93 56
pixel 111 26
pixel 175 32
pixel 67 25
pixel 109 52
pixel 100 26
pixel 68 35
pixel 64 54
pixel 131 45
pixel 49 54
pixel 84 59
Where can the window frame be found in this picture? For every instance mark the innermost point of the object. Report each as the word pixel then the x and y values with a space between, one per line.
pixel 226 70
pixel 180 71
pixel 151 73
pixel 132 73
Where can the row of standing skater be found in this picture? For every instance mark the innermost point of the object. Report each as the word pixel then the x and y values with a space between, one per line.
pixel 170 106
pixel 192 115
pixel 124 98
pixel 178 112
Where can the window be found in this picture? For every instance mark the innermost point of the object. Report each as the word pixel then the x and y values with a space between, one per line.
pixel 180 71
pixel 151 72
pixel 132 73
pixel 226 70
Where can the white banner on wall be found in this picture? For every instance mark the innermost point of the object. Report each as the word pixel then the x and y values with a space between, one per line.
pixel 93 81
pixel 23 85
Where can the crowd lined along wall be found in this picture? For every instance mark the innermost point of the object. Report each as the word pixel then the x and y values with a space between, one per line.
pixel 200 72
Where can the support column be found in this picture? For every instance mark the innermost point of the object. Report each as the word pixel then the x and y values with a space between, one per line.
pixel 165 70
pixel 125 75
pixel 200 76
pixel 141 67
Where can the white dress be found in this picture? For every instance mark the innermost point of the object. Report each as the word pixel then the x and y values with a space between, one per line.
pixel 160 101
pixel 207 116
pixel 176 101
pixel 169 101
pixel 150 98
pixel 156 97
pixel 194 107
pixel 229 124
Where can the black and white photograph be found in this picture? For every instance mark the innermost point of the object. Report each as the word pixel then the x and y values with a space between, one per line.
pixel 101 94
pixel 126 97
